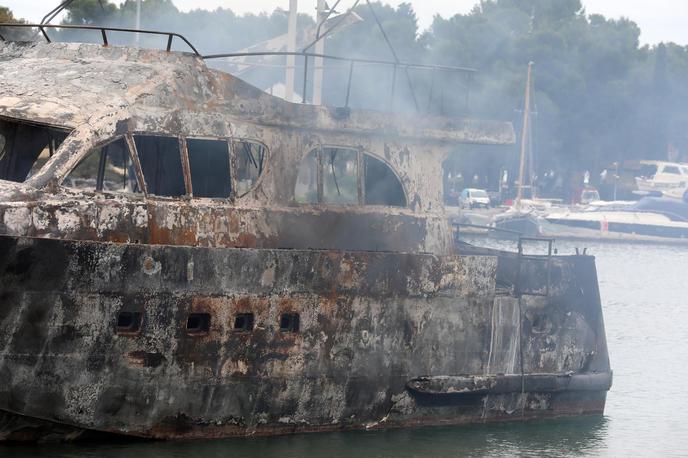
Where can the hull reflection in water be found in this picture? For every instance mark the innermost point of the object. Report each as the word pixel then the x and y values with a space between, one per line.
pixel 583 436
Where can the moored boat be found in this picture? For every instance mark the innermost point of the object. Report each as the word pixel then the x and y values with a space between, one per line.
pixel 185 256
pixel 651 218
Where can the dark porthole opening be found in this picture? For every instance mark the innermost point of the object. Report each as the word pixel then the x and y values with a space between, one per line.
pixel 198 323
pixel 243 322
pixel 128 322
pixel 289 322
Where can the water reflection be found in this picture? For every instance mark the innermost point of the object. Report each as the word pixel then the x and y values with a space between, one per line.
pixel 553 438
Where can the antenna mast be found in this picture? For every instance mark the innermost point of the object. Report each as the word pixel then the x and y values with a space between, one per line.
pixel 524 137
pixel 291 47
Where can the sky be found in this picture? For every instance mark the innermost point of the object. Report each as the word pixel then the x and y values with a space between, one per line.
pixel 659 20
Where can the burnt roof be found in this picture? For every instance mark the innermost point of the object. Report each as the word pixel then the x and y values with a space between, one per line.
pixel 69 84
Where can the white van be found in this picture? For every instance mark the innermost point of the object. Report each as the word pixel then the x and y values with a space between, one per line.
pixel 474 198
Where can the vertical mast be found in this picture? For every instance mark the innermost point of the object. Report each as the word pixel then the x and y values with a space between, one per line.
pixel 531 155
pixel 318 61
pixel 138 22
pixel 524 138
pixel 291 47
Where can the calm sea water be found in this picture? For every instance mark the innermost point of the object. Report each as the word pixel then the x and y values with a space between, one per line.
pixel 645 296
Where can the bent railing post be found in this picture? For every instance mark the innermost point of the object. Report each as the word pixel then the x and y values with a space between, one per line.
pixel 348 84
pixel 45 35
pixel 394 84
pixel 432 88
pixel 305 77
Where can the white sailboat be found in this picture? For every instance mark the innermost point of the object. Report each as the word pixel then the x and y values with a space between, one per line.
pixel 522 216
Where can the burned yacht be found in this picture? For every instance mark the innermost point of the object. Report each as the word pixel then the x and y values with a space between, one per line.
pixel 185 256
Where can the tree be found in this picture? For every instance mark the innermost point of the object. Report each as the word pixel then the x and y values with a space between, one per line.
pixel 89 12
pixel 7 16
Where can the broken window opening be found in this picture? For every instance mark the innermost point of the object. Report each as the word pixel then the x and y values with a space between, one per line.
pixel 25 148
pixel 105 168
pixel 340 176
pixel 382 186
pixel 243 322
pixel 161 163
pixel 198 323
pixel 289 322
pixel 306 190
pixel 250 159
pixel 331 175
pixel 128 322
pixel 209 164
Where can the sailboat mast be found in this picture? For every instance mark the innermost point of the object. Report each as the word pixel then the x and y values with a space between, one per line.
pixel 524 137
pixel 531 156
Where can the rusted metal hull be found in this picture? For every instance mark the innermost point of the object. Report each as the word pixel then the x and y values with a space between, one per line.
pixel 372 325
pixel 21 429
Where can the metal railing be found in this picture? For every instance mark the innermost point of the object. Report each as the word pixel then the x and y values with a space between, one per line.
pixel 542 258
pixel 521 256
pixel 103 32
pixel 351 63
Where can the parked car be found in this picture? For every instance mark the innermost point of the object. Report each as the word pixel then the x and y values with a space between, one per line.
pixel 474 198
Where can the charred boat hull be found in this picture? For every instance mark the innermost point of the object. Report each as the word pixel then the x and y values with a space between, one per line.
pixel 145 340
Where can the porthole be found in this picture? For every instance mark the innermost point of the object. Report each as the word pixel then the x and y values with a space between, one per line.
pixel 128 322
pixel 243 322
pixel 198 323
pixel 289 322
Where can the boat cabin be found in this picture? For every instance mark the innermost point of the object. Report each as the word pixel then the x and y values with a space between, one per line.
pixel 148 146
pixel 185 256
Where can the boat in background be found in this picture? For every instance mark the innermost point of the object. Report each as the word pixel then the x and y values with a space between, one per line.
pixel 660 218
pixel 660 178
pixel 650 219
pixel 522 216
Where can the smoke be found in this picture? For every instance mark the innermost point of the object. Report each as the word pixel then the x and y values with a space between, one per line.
pixel 598 97
pixel 373 85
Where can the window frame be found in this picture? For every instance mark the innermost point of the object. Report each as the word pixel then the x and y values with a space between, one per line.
pixel 184 160
pixel 186 167
pixel 232 182
pixel 68 130
pixel 676 170
pixel 360 177
pixel 134 160
pixel 233 164
pixel 360 181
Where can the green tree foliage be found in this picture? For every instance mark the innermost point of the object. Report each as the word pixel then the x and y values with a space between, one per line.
pixel 89 12
pixel 220 30
pixel 6 15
